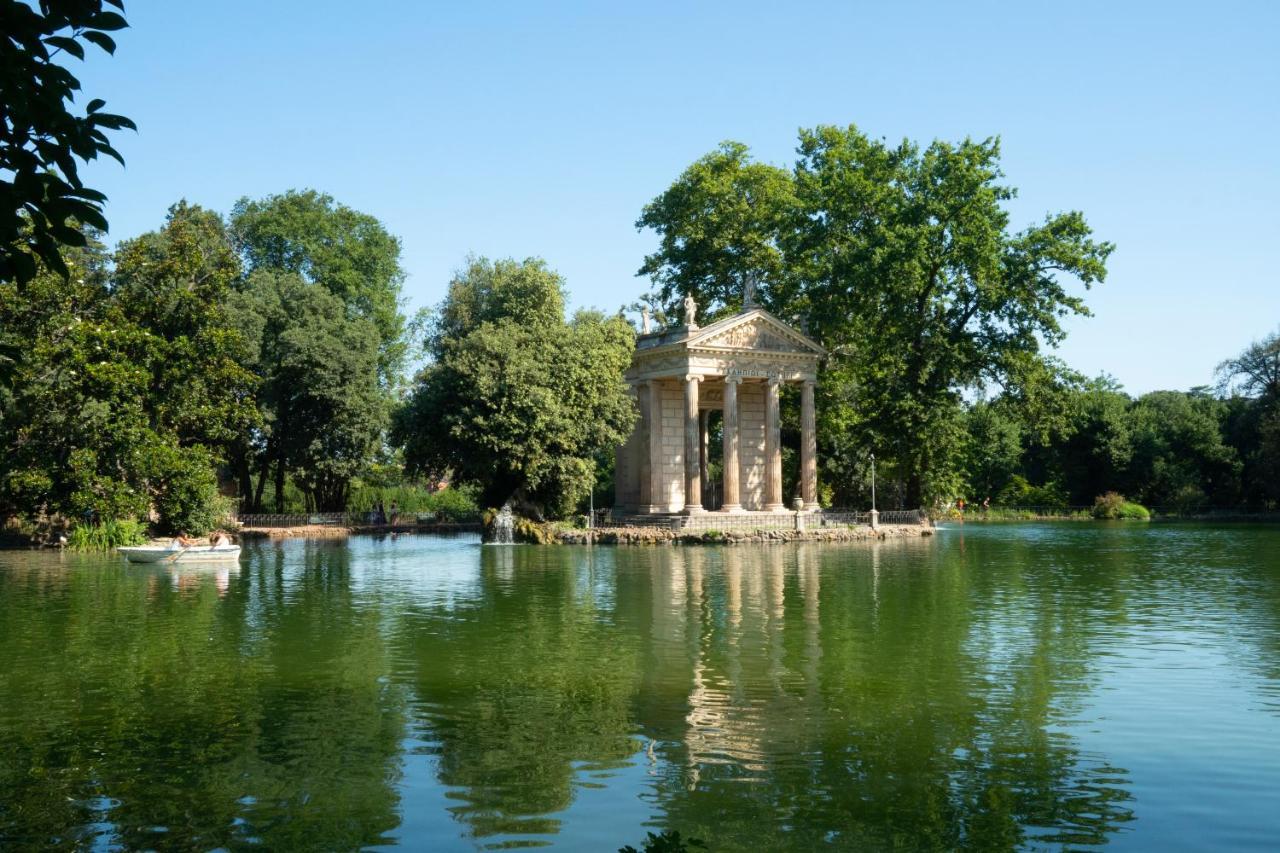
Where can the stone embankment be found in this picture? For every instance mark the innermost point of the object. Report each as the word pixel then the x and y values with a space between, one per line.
pixel 666 536
pixel 328 531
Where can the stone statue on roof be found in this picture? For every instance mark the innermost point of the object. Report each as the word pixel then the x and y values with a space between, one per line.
pixel 749 291
pixel 644 320
pixel 690 312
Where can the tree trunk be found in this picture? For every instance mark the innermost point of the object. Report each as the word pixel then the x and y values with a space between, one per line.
pixel 279 482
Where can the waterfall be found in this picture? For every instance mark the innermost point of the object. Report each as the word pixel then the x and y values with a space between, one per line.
pixel 502 531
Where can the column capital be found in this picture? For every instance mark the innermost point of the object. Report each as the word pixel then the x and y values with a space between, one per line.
pixel 810 381
pixel 775 381
pixel 731 379
pixel 693 377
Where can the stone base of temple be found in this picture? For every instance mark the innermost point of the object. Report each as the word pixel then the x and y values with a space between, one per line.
pixel 716 537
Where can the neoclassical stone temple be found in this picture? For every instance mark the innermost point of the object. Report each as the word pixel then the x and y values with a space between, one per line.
pixel 734 367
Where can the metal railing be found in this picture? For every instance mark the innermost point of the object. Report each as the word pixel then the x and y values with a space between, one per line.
pixel 902 516
pixel 335 519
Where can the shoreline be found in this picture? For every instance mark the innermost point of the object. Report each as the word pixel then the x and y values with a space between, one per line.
pixel 331 531
pixel 610 535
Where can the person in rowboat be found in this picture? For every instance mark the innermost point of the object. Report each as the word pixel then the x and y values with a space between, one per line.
pixel 220 540
pixel 182 541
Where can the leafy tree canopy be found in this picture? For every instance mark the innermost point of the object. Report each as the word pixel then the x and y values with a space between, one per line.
pixel 349 253
pixel 43 201
pixel 124 387
pixel 1255 372
pixel 515 400
pixel 323 407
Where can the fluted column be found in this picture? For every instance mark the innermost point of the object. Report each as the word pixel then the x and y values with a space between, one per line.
pixel 657 488
pixel 773 448
pixel 808 447
pixel 692 447
pixel 730 429
pixel 704 429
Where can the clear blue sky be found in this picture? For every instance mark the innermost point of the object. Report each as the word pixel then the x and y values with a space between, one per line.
pixel 541 129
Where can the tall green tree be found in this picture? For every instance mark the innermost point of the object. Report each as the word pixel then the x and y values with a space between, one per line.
pixel 1255 372
pixel 324 410
pixel 720 224
pixel 515 400
pixel 901 260
pixel 320 304
pixel 43 202
pixel 349 253
pixel 1251 382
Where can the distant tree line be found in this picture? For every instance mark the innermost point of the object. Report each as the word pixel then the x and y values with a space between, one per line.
pixel 1178 451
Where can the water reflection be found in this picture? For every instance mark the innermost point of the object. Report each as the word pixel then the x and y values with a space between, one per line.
pixel 982 690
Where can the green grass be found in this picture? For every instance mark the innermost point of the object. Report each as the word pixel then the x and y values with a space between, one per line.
pixel 106 535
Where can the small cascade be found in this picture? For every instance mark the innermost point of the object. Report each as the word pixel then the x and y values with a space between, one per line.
pixel 502 531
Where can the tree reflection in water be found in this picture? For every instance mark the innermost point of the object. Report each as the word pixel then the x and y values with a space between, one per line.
pixel 786 697
pixel 909 694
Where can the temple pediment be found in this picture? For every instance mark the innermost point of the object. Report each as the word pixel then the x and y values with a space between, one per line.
pixel 756 331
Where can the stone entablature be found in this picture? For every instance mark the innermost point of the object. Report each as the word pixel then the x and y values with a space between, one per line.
pixel 736 366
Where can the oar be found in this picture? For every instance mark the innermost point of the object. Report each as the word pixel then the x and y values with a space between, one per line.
pixel 177 555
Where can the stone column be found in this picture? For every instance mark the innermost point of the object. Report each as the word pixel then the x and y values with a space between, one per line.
pixel 704 430
pixel 773 449
pixel 643 478
pixel 731 499
pixel 808 447
pixel 657 488
pixel 692 447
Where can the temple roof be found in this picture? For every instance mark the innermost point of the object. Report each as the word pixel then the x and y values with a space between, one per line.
pixel 752 343
pixel 754 331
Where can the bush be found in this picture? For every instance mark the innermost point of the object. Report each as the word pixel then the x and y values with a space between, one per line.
pixel 103 536
pixel 187 499
pixel 1114 505
pixel 1020 493
pixel 454 505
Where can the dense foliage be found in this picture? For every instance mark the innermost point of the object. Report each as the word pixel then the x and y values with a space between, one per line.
pixel 515 400
pixel 901 261
pixel 128 387
pixel 43 202
pixel 319 306
pixel 1175 451
pixel 123 383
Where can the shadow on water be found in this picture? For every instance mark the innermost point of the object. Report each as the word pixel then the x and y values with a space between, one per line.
pixel 980 690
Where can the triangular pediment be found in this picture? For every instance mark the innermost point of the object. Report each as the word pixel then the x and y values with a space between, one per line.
pixel 754 331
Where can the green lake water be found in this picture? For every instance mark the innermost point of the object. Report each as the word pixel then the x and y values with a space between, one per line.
pixel 1068 686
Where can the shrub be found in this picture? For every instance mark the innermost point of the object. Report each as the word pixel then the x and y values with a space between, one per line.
pixel 1114 505
pixel 105 535
pixel 454 505
pixel 1020 493
pixel 188 498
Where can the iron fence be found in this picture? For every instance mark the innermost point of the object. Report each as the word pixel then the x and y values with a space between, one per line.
pixel 334 519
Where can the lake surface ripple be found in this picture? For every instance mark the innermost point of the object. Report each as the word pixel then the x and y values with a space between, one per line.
pixel 1001 687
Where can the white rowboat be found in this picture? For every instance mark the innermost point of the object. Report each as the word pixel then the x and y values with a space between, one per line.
pixel 194 554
